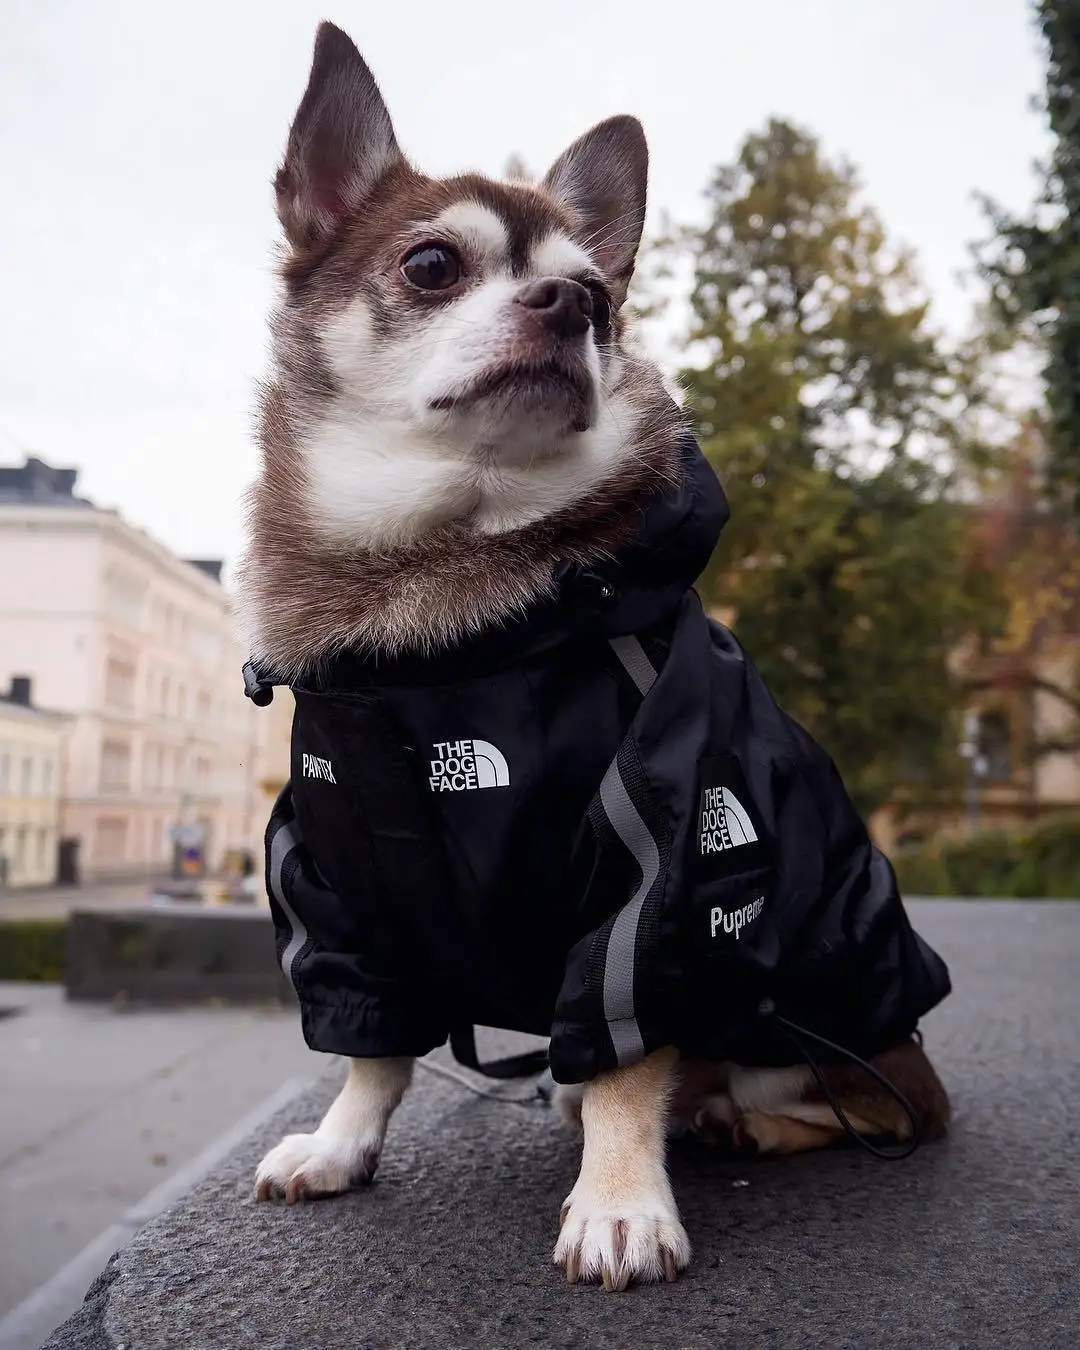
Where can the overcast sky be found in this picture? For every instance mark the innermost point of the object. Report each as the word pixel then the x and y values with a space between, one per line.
pixel 137 141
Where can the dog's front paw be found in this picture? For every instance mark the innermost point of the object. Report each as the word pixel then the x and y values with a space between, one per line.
pixel 617 1239
pixel 304 1166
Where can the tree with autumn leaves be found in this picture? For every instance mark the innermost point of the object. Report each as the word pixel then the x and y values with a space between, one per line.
pixel 844 429
pixel 1032 269
pixel 1032 263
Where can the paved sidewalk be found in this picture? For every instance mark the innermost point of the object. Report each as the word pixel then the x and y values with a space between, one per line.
pixel 972 1244
pixel 57 902
pixel 99 1105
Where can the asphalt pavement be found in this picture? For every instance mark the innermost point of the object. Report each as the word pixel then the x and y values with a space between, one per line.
pixel 971 1243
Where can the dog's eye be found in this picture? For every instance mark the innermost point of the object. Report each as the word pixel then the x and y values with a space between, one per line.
pixel 601 308
pixel 432 268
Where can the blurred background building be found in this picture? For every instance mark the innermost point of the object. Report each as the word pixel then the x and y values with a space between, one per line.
pixel 146 757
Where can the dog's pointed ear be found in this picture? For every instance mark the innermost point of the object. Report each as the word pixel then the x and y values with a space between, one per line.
pixel 341 142
pixel 602 180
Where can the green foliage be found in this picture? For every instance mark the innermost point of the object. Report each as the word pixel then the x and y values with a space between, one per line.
pixel 854 618
pixel 842 429
pixel 811 314
pixel 1045 861
pixel 1033 265
pixel 33 949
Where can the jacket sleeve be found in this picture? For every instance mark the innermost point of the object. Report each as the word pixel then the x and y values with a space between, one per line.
pixel 348 1004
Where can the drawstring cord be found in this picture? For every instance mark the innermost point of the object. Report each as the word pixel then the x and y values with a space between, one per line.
pixel 463 1046
pixel 794 1033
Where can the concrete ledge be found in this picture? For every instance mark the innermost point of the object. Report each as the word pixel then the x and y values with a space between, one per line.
pixel 171 953
pixel 971 1243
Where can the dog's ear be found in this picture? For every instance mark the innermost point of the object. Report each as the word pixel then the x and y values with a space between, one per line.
pixel 602 181
pixel 340 144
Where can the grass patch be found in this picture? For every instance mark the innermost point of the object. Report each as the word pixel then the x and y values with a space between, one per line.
pixel 33 949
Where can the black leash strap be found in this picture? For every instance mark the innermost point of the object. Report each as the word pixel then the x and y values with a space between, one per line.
pixel 463 1045
pixel 795 1034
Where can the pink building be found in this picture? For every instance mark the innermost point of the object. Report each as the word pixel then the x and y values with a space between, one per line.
pixel 137 645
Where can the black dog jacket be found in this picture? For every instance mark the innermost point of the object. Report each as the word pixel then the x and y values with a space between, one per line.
pixel 594 824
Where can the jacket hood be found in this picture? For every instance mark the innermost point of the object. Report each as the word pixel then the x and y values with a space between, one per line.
pixel 626 593
pixel 678 534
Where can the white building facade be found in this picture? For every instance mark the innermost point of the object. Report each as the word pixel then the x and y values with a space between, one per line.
pixel 137 646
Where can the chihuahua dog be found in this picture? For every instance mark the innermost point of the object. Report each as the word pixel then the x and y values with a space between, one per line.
pixel 456 412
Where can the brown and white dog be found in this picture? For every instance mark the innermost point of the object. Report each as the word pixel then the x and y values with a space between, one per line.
pixel 455 405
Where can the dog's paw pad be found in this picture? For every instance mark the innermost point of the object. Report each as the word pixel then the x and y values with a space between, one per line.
pixel 305 1167
pixel 619 1241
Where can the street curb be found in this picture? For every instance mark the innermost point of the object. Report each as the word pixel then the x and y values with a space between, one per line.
pixel 31 1322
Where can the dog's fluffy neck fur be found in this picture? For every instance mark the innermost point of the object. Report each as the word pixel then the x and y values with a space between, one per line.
pixel 308 598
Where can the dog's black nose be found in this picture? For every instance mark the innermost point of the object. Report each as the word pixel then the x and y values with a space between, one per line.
pixel 563 306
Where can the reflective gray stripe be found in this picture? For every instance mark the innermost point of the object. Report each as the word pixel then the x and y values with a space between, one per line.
pixel 636 664
pixel 283 843
pixel 634 833
pixel 622 944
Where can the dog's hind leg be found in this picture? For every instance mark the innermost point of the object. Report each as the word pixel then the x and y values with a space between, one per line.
pixel 762 1114
pixel 345 1148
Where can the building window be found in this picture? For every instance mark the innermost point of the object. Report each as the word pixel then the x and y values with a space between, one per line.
pixel 120 684
pixel 115 766
pixel 205 646
pixel 42 848
pixel 27 783
pixel 5 773
pixel 46 777
pixel 124 598
pixel 110 839
pixel 152 768
pixel 995 745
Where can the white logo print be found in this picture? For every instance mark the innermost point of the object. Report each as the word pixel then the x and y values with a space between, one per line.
pixel 314 767
pixel 460 766
pixel 736 920
pixel 724 822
